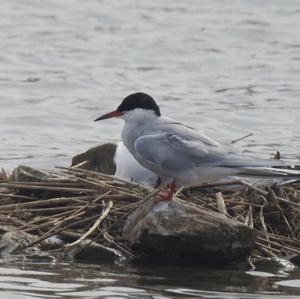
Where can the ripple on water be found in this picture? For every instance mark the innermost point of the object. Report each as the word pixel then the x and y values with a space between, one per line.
pixel 59 68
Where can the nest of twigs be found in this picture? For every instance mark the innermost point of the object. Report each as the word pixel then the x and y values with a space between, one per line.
pixel 79 205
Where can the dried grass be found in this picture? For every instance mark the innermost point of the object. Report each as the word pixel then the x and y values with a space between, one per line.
pixel 77 204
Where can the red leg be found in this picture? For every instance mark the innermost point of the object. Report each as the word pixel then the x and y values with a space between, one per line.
pixel 169 195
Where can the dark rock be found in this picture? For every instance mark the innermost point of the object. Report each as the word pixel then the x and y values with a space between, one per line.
pixel 274 265
pixel 28 174
pixel 99 158
pixel 53 242
pixel 295 259
pixel 182 232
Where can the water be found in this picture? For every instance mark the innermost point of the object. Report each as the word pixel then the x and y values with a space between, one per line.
pixel 79 280
pixel 228 68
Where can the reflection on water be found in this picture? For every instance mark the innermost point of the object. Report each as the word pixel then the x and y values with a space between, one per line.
pixel 78 280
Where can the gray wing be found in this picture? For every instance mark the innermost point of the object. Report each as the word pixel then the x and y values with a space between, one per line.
pixel 173 153
pixel 169 125
pixel 176 147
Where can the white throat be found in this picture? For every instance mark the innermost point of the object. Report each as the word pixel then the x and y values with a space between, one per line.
pixel 139 115
pixel 135 122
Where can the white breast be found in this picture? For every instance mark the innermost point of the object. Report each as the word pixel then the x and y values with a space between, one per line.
pixel 127 168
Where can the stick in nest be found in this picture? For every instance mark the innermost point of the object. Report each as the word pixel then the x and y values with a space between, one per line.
pixel 96 224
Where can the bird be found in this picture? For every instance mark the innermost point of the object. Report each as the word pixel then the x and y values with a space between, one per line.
pixel 127 168
pixel 179 153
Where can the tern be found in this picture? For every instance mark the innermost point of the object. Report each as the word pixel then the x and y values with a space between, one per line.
pixel 178 153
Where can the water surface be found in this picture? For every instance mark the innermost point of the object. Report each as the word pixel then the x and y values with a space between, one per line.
pixel 228 68
pixel 27 279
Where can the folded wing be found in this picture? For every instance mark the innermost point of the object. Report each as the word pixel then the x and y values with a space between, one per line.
pixel 171 152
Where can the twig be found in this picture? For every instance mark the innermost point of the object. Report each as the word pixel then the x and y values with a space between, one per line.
pixel 251 263
pixel 220 203
pixel 110 239
pixel 266 193
pixel 262 220
pixel 41 203
pixel 294 250
pixel 96 224
pixel 286 221
pixel 34 187
pixel 60 223
pixel 241 138
pixel 17 196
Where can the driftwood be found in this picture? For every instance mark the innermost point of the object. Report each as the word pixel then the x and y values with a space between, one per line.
pixel 83 206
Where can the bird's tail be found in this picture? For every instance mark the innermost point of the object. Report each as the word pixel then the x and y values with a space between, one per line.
pixel 263 168
pixel 269 172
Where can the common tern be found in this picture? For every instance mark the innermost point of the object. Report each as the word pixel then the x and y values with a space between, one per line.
pixel 178 153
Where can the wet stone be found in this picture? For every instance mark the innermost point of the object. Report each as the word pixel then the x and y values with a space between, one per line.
pixel 176 231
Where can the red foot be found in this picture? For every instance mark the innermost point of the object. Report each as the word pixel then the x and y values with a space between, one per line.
pixel 169 195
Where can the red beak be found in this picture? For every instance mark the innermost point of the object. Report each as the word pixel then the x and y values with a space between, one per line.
pixel 110 115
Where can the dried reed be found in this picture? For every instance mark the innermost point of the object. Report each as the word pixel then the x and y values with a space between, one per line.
pixel 77 205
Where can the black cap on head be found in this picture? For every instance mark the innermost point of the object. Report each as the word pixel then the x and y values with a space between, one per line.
pixel 139 100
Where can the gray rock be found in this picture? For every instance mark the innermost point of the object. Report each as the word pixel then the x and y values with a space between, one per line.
pixel 28 174
pixel 14 241
pixel 99 158
pixel 14 244
pixel 183 232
